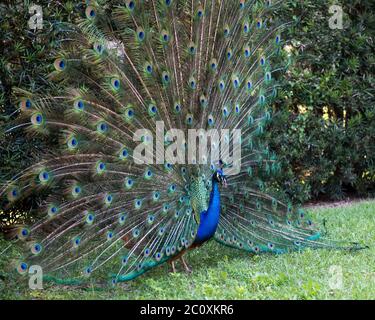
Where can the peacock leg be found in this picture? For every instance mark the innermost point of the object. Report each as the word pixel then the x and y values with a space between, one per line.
pixel 187 268
pixel 172 266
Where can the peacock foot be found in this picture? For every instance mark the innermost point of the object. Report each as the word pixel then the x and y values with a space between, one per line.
pixel 173 267
pixel 186 267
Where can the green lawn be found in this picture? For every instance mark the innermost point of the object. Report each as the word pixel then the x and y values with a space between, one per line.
pixel 224 273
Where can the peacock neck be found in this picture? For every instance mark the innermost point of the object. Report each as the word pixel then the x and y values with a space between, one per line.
pixel 209 219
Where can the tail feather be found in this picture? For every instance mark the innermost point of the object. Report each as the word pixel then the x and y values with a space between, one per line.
pixel 256 222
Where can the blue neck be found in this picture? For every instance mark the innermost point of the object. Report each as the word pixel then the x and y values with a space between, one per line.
pixel 209 219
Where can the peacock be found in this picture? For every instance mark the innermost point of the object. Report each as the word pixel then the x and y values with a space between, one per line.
pixel 135 79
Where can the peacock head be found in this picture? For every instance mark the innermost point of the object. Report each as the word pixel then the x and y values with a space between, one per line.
pixel 219 177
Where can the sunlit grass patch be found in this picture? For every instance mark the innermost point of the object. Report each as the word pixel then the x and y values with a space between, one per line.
pixel 223 273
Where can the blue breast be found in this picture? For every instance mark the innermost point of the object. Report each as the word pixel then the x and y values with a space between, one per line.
pixel 209 219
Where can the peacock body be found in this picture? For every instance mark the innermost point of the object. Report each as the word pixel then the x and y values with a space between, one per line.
pixel 207 64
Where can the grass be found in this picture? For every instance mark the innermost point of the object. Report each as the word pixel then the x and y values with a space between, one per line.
pixel 224 273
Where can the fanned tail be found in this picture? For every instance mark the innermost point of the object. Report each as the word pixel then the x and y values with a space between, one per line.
pixel 256 222
pixel 115 206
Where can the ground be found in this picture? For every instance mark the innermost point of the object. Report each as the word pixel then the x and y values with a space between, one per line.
pixel 224 273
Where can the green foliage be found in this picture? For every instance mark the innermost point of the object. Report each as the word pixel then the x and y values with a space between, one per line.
pixel 223 273
pixel 325 129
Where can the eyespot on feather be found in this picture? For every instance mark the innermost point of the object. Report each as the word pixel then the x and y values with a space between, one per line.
pixel 52 211
pixel 36 249
pixel 100 167
pixel 141 34
pixel 37 119
pixel 165 36
pixel 72 143
pixel 79 105
pixel 13 193
pixel 60 64
pixel 25 104
pixel 22 268
pixel 115 83
pixel 99 48
pixel 130 5
pixel 44 177
pixel 90 12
